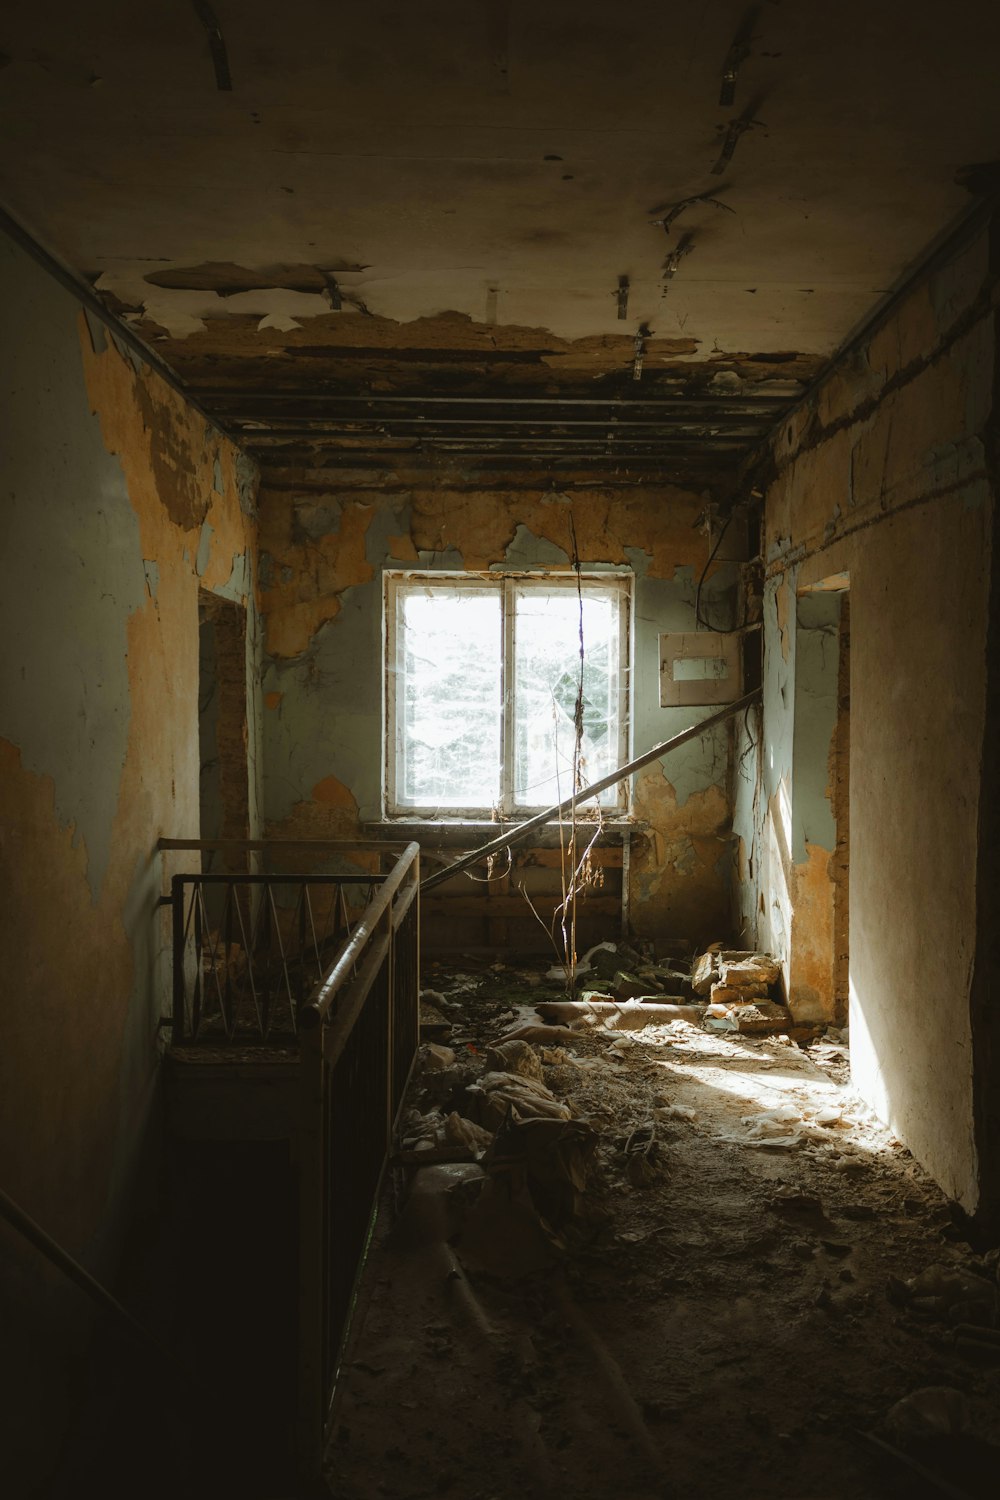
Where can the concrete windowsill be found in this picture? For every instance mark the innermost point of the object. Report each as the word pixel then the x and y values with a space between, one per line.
pixel 468 834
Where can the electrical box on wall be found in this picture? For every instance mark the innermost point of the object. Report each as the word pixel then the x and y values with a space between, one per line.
pixel 699 667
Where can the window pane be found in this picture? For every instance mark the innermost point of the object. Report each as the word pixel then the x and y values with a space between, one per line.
pixel 448 695
pixel 546 684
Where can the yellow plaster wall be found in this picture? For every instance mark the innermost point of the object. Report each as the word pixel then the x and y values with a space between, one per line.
pixel 323 697
pixel 84 980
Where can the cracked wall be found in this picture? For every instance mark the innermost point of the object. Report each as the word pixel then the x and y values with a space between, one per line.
pixel 322 562
pixel 882 485
pixel 120 502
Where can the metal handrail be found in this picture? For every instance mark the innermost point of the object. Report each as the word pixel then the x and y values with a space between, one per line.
pixel 283 853
pixel 318 1006
pixel 358 1034
pixel 357 990
pixel 358 1037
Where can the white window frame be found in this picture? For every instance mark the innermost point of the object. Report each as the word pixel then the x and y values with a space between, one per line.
pixel 505 585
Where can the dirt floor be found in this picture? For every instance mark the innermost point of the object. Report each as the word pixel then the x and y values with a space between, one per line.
pixel 725 1309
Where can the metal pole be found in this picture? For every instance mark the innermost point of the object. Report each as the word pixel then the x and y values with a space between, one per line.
pixel 515 835
pixel 63 1261
pixel 177 1017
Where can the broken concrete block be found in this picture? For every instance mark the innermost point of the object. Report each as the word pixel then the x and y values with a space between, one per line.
pixel 722 994
pixel 730 994
pixel 627 987
pixel 758 969
pixel 704 973
pixel 760 1017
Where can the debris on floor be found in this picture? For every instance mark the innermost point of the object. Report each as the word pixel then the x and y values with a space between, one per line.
pixel 625 1229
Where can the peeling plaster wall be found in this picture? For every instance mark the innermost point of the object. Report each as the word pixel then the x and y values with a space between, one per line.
pixel 883 483
pixel 322 558
pixel 119 501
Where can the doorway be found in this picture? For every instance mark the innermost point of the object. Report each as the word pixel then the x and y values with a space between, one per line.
pixel 224 790
pixel 820 928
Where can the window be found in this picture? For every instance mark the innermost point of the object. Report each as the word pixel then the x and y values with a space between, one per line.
pixel 482 680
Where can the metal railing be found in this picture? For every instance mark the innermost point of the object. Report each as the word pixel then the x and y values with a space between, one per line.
pixel 250 949
pixel 358 1037
pixel 331 961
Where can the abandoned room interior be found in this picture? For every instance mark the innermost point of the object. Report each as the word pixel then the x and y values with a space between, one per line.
pixel 500 802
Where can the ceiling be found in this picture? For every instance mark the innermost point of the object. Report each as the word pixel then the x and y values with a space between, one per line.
pixel 487 235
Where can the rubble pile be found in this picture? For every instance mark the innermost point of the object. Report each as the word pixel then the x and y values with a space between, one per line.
pixel 723 989
pixel 611 1211
pixel 739 985
pixel 533 1159
pixel 503 1107
pixel 466 1100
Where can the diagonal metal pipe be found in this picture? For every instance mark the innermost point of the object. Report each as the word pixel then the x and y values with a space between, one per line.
pixel 515 835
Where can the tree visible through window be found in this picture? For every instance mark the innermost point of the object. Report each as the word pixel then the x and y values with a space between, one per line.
pixel 481 690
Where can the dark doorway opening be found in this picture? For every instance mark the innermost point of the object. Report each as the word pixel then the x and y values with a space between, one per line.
pixel 224 789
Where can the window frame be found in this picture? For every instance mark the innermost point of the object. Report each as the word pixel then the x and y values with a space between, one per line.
pixel 618 583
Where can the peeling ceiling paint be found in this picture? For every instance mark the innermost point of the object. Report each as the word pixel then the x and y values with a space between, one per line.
pixel 396 198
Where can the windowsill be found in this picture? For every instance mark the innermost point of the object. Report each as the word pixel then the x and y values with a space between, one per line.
pixel 468 832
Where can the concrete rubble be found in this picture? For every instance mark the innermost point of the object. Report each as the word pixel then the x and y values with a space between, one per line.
pixel 599 1226
pixel 723 989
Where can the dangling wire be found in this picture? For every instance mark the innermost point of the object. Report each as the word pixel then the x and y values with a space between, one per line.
pixel 707 624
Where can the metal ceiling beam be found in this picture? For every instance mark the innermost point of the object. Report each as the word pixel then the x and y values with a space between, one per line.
pixel 458 445
pixel 349 425
pixel 627 402
pixel 305 435
pixel 334 462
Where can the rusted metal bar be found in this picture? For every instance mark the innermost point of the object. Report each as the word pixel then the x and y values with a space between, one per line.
pixel 521 831
pixel 625 403
pixel 619 461
pixel 357 425
pixel 427 440
pixel 177 1016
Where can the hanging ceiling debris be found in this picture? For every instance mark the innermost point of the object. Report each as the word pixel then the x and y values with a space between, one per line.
pixel 385 237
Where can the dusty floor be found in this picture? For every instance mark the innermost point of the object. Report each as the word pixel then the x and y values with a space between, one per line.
pixel 736 1326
